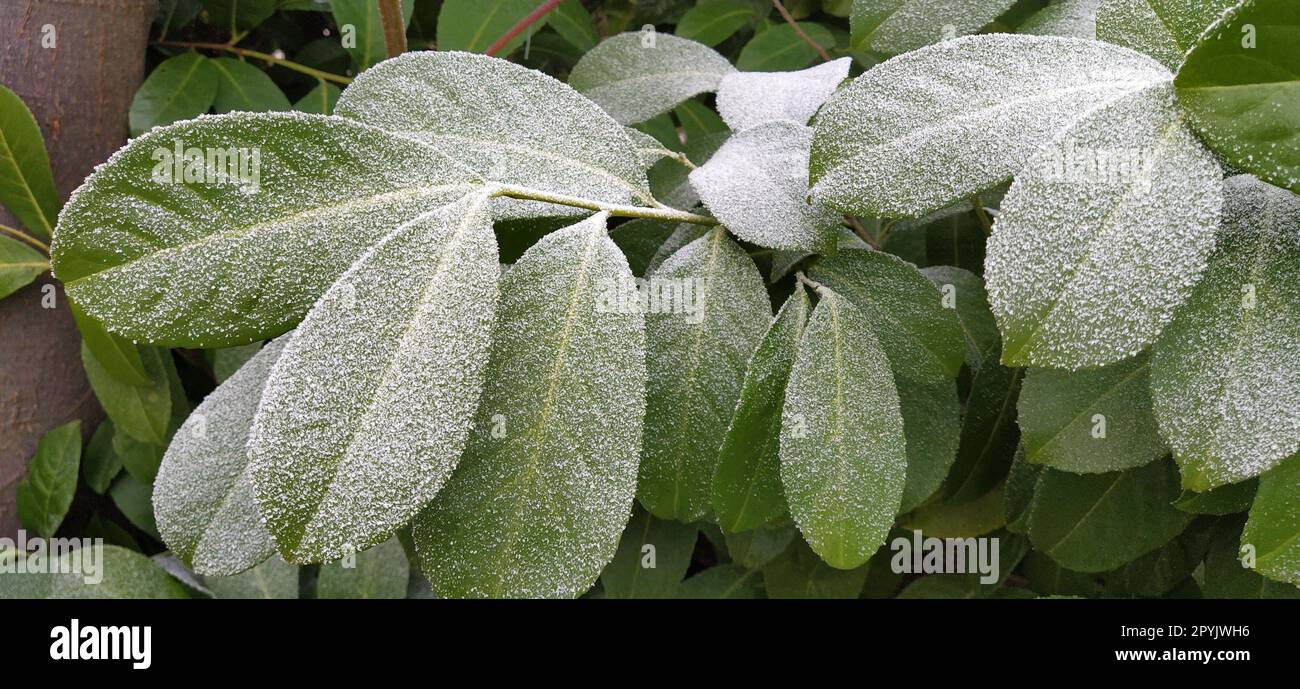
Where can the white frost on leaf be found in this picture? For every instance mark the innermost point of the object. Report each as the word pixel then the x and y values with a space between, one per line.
pixel 1163 29
pixel 635 76
pixel 1077 18
pixel 203 497
pixel 1226 373
pixel 757 185
pixel 898 26
pixel 928 128
pixel 748 99
pixel 1103 235
pixel 367 410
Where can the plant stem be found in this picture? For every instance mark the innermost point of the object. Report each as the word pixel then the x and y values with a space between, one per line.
pixel 661 213
pixel 265 57
pixel 816 286
pixel 982 216
pixel 390 15
pixel 799 31
pixel 860 231
pixel 19 234
pixel 519 27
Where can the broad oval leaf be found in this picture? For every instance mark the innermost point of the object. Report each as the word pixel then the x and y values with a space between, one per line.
pixel 635 76
pixel 537 504
pixel 928 128
pixel 748 99
pixel 1163 29
pixel 126 574
pixel 843 452
pixel 1102 236
pixel 241 86
pixel 45 493
pixel 898 26
pixel 1273 528
pixel 179 88
pixel 710 314
pixel 114 353
pixel 203 498
pixel 200 260
pixel 474 25
pixel 350 442
pixel 26 180
pixel 140 411
pixel 1226 372
pixel 376 574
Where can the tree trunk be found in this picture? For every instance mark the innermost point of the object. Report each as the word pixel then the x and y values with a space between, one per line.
pixel 77 64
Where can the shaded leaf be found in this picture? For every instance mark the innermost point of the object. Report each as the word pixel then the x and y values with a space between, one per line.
pixel 779 49
pixel 378 573
pixel 179 88
pixel 1273 528
pixel 652 558
pixel 897 26
pixel 273 579
pixel 140 411
pixel 241 86
pixel 26 180
pixel 19 265
pixel 45 494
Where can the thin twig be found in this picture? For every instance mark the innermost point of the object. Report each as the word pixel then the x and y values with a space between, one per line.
pixel 265 57
pixel 982 216
pixel 390 15
pixel 619 210
pixel 799 31
pixel 19 234
pixel 816 286
pixel 860 231
pixel 541 11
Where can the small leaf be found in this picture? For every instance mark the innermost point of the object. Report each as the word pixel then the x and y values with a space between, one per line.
pixel 635 76
pixel 722 582
pixel 26 180
pixel 574 24
pixel 711 22
pixel 1233 498
pixel 241 86
pixel 652 558
pixel 179 88
pixel 989 434
pixel 350 442
pixel 320 100
pixel 899 26
pixel 140 411
pixel 140 459
pixel 117 355
pixel 203 496
pixel 362 30
pixel 19 265
pixel 799 573
pixel 1273 528
pixel 474 25
pixel 697 349
pixel 101 465
pixel 843 456
pixel 756 185
pixel 545 487
pixel 1076 18
pixel 378 573
pixel 45 495
pixel 748 99
pixel 747 484
pixel 1163 29
pixel 1090 421
pixel 273 579
pixel 1225 375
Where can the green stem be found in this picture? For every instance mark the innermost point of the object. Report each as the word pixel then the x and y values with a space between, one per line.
pixel 265 57
pixel 19 234
pixel 982 216
pixel 619 210
pixel 816 286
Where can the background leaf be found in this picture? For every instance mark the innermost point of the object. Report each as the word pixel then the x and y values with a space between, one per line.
pixel 26 180
pixel 665 543
pixel 1274 524
pixel 474 25
pixel 241 86
pixel 45 495
pixel 367 46
pixel 635 77
pixel 711 22
pixel 378 573
pixel 1163 29
pixel 273 579
pixel 19 265
pixel 140 411
pixel 897 26
pixel 779 49
pixel 181 88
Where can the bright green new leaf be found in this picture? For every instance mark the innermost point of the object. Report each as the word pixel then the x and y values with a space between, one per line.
pixel 45 495
pixel 635 76
pixel 140 411
pixel 180 88
pixel 378 573
pixel 26 180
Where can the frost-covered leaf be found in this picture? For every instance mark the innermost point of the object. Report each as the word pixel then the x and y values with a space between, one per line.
pixel 921 131
pixel 682 235
pixel 652 558
pixel 1163 29
pixel 711 22
pixel 26 180
pixel 800 573
pixel 785 261
pixel 1097 522
pixel 1274 524
pixel 748 99
pixel 203 497
pixel 757 185
pixel 351 441
pixel 747 484
pixel 509 123
pixel 1089 421
pixel 219 261
pixel 140 411
pixel 779 48
pixel 1227 577
pixel 1225 375
pixel 1103 235
pixel 126 574
pixel 923 339
pixel 963 292
pixel 375 574
pixel 273 579
pixel 1240 88
pixel 843 457
pixel 225 362
pixel 19 265
pixel 712 313
pixel 544 489
pixel 1076 18
pixel 45 493
pixel 179 88
pixel 898 26
pixel 635 76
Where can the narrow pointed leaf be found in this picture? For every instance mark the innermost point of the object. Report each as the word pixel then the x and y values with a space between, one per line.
pixel 100 464
pixel 711 22
pixel 140 411
pixel 635 76
pixel 45 494
pixel 114 353
pixel 26 180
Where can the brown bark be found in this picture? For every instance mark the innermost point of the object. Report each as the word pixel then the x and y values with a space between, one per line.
pixel 80 91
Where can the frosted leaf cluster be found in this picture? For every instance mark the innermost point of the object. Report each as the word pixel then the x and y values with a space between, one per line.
pixel 635 76
pixel 1075 18
pixel 1163 29
pixel 898 26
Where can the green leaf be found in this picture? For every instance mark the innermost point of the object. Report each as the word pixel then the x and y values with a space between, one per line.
pixel 711 22
pixel 45 495
pixel 799 573
pixel 19 265
pixel 1160 570
pixel 26 180
pixel 133 498
pixel 932 427
pixel 748 99
pixel 940 124
pixel 273 579
pixel 176 14
pixel 1018 491
pixel 241 86
pixel 757 547
pixel 1089 421
pixel 203 496
pixel 179 88
pixel 747 484
pixel 971 304
pixel 507 122
pixel 225 362
pixel 574 24
pixel 843 456
pixel 140 411
pixel 1240 88
pixel 635 76
pixel 1163 29
pixel 965 519
pixel 320 100
pixel 140 459
pixel 1048 578
pixel 101 465
pixel 108 572
pixel 640 239
pixel 1071 299
pixel 951 236
pixel 722 582
pixel 1273 528
pixel 697 348
pixel 923 339
pixel 652 558
pixel 236 15
pixel 361 29
pixel 1227 577
pixel 378 573
pixel 350 442
pixel 989 434
pixel 1097 522
pixel 899 26
pixel 780 49
pixel 1230 499
pixel 1225 375
pixel 474 25
pixel 537 504
pixel 117 355
pixel 212 263
pixel 1077 18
